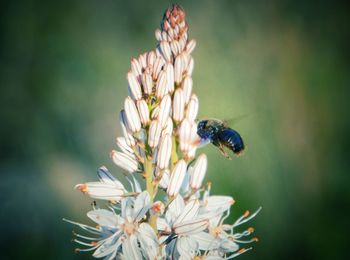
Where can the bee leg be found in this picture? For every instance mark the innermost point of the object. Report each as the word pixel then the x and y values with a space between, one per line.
pixel 223 152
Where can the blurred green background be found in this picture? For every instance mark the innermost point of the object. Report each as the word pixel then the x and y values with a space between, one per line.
pixel 283 63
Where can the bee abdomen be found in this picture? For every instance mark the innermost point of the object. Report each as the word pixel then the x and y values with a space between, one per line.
pixel 232 140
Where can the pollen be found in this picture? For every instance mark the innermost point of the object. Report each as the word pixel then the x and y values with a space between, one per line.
pixel 246 214
pixel 82 187
pixel 250 230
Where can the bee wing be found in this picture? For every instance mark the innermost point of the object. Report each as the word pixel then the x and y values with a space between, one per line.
pixel 235 120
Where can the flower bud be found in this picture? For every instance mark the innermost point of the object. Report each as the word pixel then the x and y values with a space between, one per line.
pixel 192 108
pixel 123 145
pixel 158 35
pixel 157 66
pixel 178 105
pixel 187 88
pixel 164 152
pixel 185 135
pixel 178 68
pixel 164 181
pixel 124 161
pixel 176 178
pixel 166 51
pixel 190 66
pixel 164 110
pixel 169 70
pixel 161 87
pixel 143 111
pixel 168 130
pixel 154 133
pixel 136 67
pixel 190 46
pixel 147 83
pixel 151 57
pixel 198 172
pixel 132 115
pixel 175 47
pixel 130 140
pixel 134 86
pixel 143 60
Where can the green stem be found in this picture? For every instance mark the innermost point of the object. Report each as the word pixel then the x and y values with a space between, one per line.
pixel 174 157
pixel 150 189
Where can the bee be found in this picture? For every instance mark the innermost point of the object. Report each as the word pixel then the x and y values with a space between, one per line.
pixel 219 134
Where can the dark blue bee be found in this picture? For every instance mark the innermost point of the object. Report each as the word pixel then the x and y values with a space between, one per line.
pixel 219 134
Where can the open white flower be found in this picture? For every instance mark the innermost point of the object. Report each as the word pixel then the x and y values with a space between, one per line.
pixel 123 233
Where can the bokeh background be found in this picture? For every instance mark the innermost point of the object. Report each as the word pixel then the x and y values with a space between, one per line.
pixel 284 64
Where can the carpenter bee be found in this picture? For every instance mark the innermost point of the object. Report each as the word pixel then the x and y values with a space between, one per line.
pixel 219 134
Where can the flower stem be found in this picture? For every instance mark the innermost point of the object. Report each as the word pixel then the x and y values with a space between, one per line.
pixel 150 189
pixel 174 157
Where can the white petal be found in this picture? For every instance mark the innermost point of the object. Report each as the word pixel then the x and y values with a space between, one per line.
pixel 134 86
pixel 148 240
pixel 103 217
pixel 178 105
pixel 132 115
pixel 191 227
pixel 141 206
pixel 198 171
pixel 164 110
pixel 106 177
pixel 151 57
pixel 206 241
pixel 143 60
pixel 189 212
pixel 131 249
pixel 177 177
pixel 187 247
pixel 163 225
pixel 175 209
pixel 213 203
pixel 124 161
pixel 109 247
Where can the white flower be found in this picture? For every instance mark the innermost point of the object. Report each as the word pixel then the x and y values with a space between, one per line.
pixel 122 233
pixel 181 222
pixel 108 188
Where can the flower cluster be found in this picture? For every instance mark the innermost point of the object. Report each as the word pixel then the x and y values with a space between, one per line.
pixel 175 216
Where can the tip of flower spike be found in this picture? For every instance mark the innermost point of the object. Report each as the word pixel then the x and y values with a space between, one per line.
pixel 82 187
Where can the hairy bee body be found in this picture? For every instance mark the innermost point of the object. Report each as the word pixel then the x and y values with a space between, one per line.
pixel 220 135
